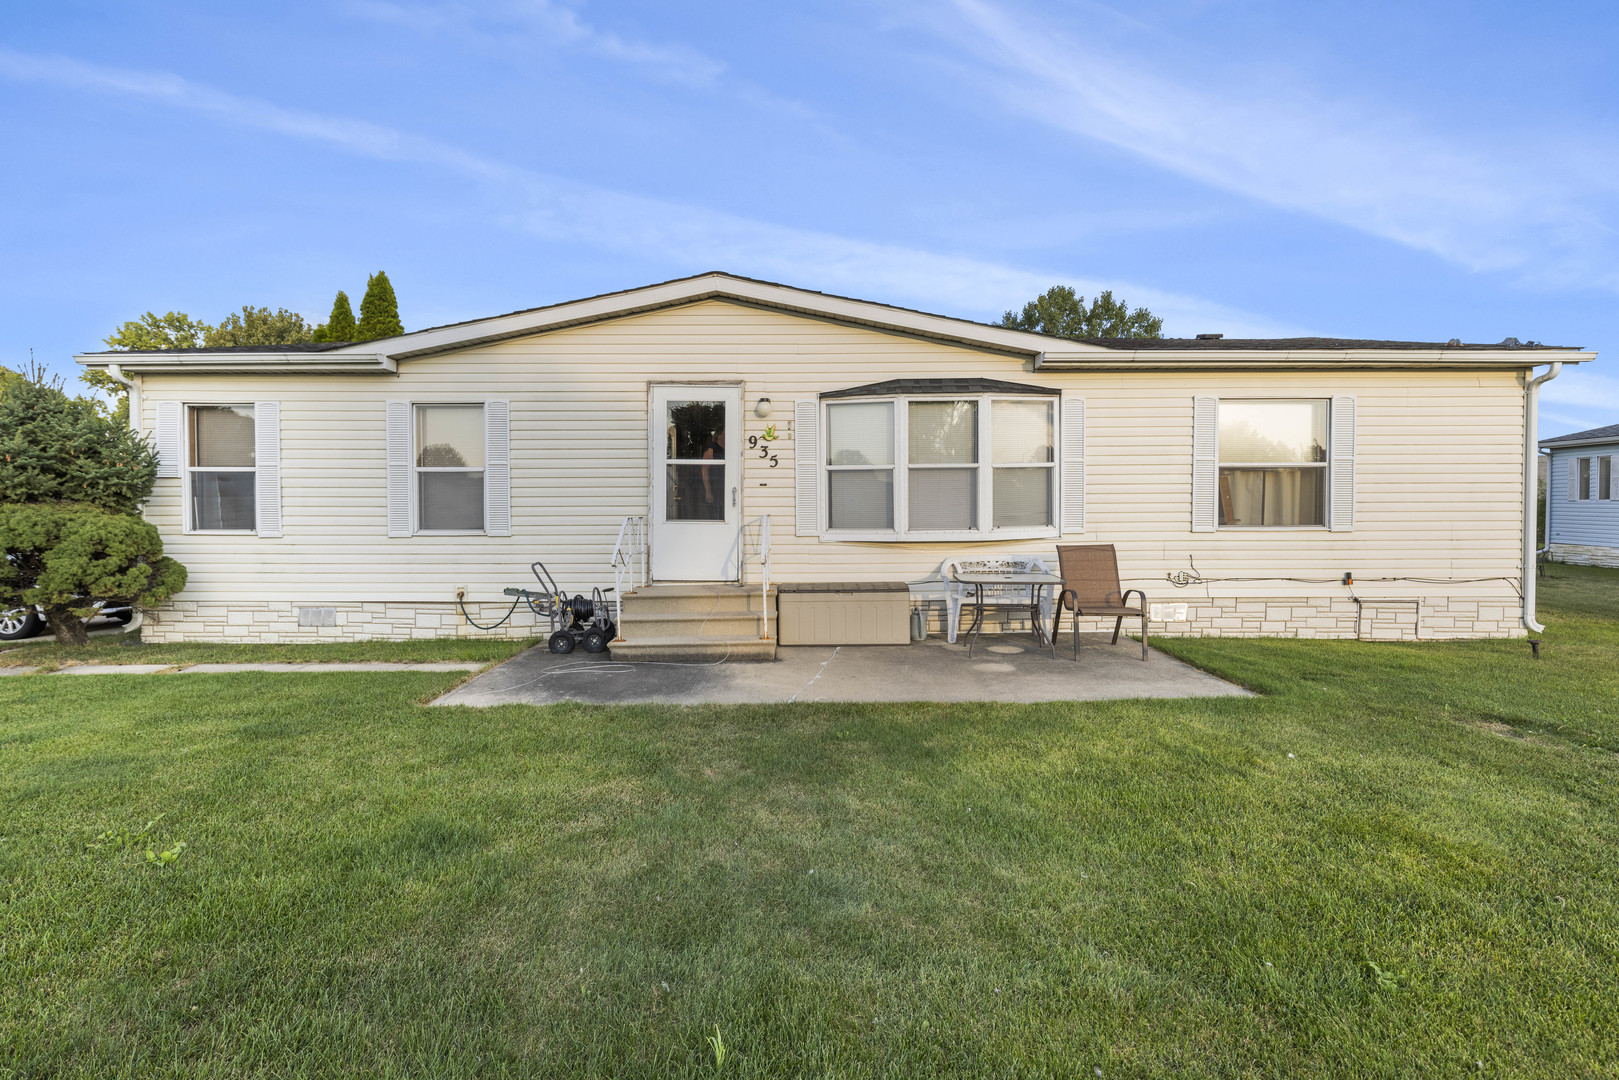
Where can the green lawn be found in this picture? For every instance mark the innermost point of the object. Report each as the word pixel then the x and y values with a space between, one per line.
pixel 45 652
pixel 1401 860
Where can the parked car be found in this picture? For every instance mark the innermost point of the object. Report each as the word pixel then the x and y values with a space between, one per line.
pixel 24 622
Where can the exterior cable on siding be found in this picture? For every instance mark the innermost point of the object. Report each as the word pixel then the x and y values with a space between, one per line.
pixel 806 459
pixel 267 467
pixel 168 438
pixel 497 468
pixel 1205 462
pixel 399 468
pixel 1341 516
pixel 1073 463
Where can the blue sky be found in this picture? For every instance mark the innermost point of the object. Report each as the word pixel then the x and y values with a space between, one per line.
pixel 1368 169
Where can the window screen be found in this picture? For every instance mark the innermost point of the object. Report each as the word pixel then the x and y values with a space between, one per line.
pixel 221 478
pixel 1273 462
pixel 449 468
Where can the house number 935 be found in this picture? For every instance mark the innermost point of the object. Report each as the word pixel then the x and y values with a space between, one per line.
pixel 764 451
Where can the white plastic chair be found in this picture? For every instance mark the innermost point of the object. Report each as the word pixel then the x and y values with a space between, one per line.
pixel 1016 596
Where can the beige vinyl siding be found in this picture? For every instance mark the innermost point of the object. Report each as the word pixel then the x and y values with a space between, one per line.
pixel 1439 468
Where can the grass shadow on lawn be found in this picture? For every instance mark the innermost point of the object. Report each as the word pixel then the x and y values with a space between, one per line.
pixel 1353 875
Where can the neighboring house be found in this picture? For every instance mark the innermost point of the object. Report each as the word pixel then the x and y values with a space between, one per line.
pixel 351 491
pixel 1582 497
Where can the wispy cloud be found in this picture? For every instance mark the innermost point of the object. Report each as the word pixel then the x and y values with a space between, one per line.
pixel 530 23
pixel 1377 172
pixel 681 235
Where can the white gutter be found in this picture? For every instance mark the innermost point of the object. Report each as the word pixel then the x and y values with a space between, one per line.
pixel 1531 484
pixel 117 373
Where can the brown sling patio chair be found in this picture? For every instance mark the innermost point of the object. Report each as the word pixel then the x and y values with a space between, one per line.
pixel 1090 586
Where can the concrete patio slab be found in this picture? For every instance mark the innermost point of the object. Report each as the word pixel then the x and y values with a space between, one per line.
pixel 1011 670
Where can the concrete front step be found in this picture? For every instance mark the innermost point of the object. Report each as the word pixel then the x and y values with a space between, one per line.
pixel 687 649
pixel 725 624
pixel 699 598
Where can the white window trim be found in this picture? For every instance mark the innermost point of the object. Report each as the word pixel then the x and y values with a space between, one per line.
pixel 1326 467
pixel 415 469
pixel 986 532
pixel 188 524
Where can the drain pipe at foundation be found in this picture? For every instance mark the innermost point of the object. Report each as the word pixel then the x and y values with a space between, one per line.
pixel 1531 486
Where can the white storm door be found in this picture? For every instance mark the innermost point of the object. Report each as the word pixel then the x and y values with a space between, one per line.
pixel 696 436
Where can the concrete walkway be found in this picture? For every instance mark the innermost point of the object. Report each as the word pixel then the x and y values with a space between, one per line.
pixel 215 669
pixel 1009 669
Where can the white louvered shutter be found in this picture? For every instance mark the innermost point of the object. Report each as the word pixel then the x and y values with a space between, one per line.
pixel 399 468
pixel 807 466
pixel 1205 463
pixel 1341 484
pixel 168 437
pixel 497 468
pixel 267 467
pixel 1073 464
pixel 1573 478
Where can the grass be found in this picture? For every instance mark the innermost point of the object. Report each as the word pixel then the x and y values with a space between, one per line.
pixel 119 649
pixel 1401 860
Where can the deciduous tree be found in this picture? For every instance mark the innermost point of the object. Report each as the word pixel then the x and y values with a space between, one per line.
pixel 258 326
pixel 1060 312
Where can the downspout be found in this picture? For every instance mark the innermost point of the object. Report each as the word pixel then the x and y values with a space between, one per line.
pixel 1531 485
pixel 117 373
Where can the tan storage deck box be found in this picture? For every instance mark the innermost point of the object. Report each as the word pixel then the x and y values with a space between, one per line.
pixel 844 613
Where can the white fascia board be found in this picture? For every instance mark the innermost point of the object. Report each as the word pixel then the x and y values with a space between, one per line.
pixel 185 360
pixel 1579 444
pixel 720 287
pixel 1302 359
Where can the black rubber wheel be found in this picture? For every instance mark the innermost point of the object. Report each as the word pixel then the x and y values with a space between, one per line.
pixel 561 643
pixel 595 641
pixel 19 623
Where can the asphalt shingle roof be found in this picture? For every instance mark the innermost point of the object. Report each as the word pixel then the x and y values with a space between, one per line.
pixel 1609 432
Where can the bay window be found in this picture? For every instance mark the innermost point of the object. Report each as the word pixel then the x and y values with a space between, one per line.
pixel 941 467
pixel 1273 463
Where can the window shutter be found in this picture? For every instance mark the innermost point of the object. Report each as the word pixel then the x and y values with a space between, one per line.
pixel 398 468
pixel 1341 484
pixel 168 437
pixel 267 466
pixel 1073 463
pixel 497 468
pixel 1573 479
pixel 807 466
pixel 1205 463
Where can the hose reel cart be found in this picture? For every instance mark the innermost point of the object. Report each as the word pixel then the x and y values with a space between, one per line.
pixel 590 621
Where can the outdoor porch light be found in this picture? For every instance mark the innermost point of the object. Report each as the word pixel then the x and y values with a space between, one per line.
pixel 763 408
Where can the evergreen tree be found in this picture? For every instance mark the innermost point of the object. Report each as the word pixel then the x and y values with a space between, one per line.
pixel 379 310
pixel 340 327
pixel 1059 312
pixel 70 481
pixel 54 448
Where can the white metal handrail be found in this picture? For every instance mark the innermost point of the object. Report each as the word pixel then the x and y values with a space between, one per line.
pixel 629 562
pixel 763 555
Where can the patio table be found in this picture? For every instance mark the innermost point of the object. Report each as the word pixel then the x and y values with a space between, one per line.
pixel 1035 581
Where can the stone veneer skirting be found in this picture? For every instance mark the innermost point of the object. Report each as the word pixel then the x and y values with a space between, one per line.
pixel 1318 617
pixel 1585 554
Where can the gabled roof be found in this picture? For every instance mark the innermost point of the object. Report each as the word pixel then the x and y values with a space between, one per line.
pixel 1110 354
pixel 1609 434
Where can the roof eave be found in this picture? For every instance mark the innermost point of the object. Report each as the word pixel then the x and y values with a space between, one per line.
pixel 1555 444
pixel 1304 359
pixel 186 361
